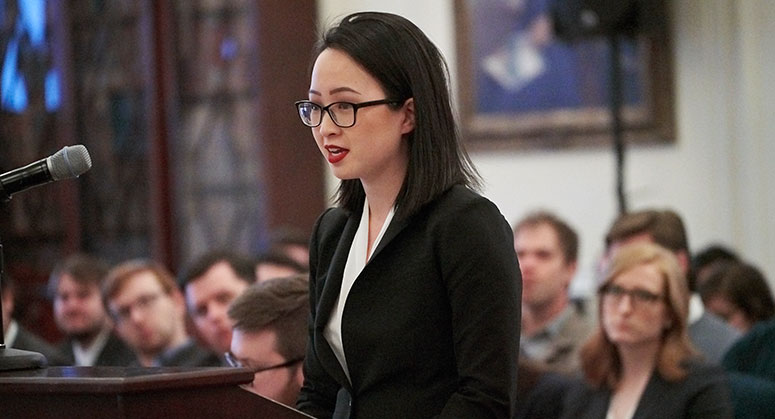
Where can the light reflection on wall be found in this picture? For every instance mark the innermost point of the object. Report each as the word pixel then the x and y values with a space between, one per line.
pixel 27 65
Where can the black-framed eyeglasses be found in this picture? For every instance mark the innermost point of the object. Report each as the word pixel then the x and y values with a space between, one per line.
pixel 638 296
pixel 234 362
pixel 342 113
pixel 143 303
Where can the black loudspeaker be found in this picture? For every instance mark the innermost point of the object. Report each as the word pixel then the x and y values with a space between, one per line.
pixel 583 18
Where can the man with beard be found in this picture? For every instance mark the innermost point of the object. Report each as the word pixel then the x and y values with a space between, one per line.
pixel 74 286
pixel 150 315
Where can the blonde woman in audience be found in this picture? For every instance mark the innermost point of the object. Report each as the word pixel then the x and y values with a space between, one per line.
pixel 639 363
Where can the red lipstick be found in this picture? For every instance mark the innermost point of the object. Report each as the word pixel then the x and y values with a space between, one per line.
pixel 336 154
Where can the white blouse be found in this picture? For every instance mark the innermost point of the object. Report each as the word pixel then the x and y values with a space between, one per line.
pixel 356 261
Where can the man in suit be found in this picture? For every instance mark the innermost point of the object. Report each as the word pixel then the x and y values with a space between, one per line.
pixel 711 335
pixel 210 284
pixel 553 326
pixel 74 287
pixel 150 315
pixel 16 336
pixel 270 335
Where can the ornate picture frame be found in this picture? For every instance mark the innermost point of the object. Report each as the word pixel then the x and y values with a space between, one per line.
pixel 522 87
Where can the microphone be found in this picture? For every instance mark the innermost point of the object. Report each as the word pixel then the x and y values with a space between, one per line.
pixel 69 162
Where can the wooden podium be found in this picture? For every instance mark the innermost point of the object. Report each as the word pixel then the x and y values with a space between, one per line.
pixel 117 392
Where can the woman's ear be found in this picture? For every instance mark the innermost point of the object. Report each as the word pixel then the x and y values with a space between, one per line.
pixel 408 124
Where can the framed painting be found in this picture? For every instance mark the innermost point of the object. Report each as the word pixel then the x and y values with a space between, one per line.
pixel 522 86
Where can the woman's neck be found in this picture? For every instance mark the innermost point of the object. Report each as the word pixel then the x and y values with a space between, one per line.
pixel 638 360
pixel 381 199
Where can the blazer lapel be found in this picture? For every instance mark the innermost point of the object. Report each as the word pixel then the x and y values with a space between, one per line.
pixel 335 272
pixel 328 298
pixel 395 227
pixel 651 401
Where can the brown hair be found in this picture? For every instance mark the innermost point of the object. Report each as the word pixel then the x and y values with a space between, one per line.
pixel 665 227
pixel 599 357
pixel 569 240
pixel 744 286
pixel 118 276
pixel 279 304
pixel 83 268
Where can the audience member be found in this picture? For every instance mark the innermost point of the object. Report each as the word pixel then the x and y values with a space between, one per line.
pixel 711 335
pixel 703 262
pixel 754 353
pixel 270 336
pixel 541 391
pixel 292 243
pixel 553 327
pixel 17 336
pixel 74 287
pixel 738 293
pixel 149 312
pixel 639 362
pixel 276 265
pixel 210 284
pixel 750 364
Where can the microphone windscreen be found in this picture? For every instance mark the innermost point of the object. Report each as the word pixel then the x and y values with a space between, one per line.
pixel 71 161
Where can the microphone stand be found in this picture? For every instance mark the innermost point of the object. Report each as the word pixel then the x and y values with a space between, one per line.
pixel 14 359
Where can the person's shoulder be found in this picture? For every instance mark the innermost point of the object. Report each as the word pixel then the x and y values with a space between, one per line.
pixel 581 321
pixel 712 336
pixel 761 334
pixel 333 215
pixel 581 399
pixel 29 341
pixel 713 324
pixel 190 354
pixel 702 373
pixel 699 366
pixel 331 221
pixel 461 194
pixel 115 353
pixel 460 200
pixel 754 353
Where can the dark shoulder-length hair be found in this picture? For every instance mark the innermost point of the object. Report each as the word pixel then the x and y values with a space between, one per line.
pixel 407 65
pixel 599 357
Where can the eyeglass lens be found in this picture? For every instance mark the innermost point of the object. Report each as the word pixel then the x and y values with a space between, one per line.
pixel 639 296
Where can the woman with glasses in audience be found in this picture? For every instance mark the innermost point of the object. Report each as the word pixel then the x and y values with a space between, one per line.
pixel 639 363
pixel 414 282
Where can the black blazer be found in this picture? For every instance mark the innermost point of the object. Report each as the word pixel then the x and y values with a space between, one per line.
pixel 115 353
pixel 29 341
pixel 703 394
pixel 431 325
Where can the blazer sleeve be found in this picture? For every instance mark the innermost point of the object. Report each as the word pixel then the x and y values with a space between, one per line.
pixel 319 390
pixel 475 253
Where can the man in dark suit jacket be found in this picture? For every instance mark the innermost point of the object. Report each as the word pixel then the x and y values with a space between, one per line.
pixel 74 286
pixel 17 337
